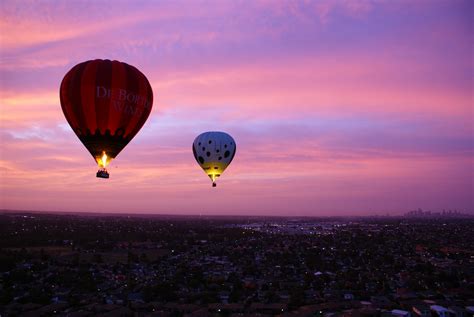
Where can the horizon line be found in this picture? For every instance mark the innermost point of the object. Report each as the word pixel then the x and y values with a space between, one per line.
pixel 128 214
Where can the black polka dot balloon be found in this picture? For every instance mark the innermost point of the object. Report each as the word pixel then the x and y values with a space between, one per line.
pixel 214 151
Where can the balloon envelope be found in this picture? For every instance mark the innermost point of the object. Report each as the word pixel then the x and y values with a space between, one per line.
pixel 214 151
pixel 106 103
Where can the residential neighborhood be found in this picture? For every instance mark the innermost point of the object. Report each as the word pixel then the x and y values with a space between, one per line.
pixel 83 265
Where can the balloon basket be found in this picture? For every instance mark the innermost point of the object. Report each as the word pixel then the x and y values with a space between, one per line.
pixel 214 184
pixel 102 173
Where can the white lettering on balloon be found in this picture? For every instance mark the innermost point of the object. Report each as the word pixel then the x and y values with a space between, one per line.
pixel 124 101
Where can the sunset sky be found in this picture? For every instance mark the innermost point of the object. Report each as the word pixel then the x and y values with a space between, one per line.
pixel 337 107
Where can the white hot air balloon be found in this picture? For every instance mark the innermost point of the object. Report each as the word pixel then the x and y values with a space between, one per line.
pixel 214 151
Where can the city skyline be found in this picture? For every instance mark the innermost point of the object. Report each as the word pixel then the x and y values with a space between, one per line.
pixel 337 107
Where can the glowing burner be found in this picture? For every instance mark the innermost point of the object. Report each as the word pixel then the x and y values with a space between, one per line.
pixel 102 161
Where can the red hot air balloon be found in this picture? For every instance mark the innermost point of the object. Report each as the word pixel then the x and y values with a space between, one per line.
pixel 106 103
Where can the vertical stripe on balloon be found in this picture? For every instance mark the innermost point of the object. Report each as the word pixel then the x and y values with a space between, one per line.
pixel 65 101
pixel 118 80
pixel 75 99
pixel 102 105
pixel 146 106
pixel 88 95
pixel 129 105
pixel 138 102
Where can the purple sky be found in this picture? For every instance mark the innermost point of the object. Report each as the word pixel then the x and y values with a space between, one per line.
pixel 337 107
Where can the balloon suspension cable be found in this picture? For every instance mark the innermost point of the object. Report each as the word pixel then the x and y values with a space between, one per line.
pixel 213 178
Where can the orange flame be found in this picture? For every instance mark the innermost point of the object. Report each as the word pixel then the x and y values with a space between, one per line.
pixel 103 161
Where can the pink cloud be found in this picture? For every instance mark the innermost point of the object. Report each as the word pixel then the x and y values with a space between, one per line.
pixel 306 191
pixel 318 84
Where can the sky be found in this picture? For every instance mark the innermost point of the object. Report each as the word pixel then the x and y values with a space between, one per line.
pixel 337 107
